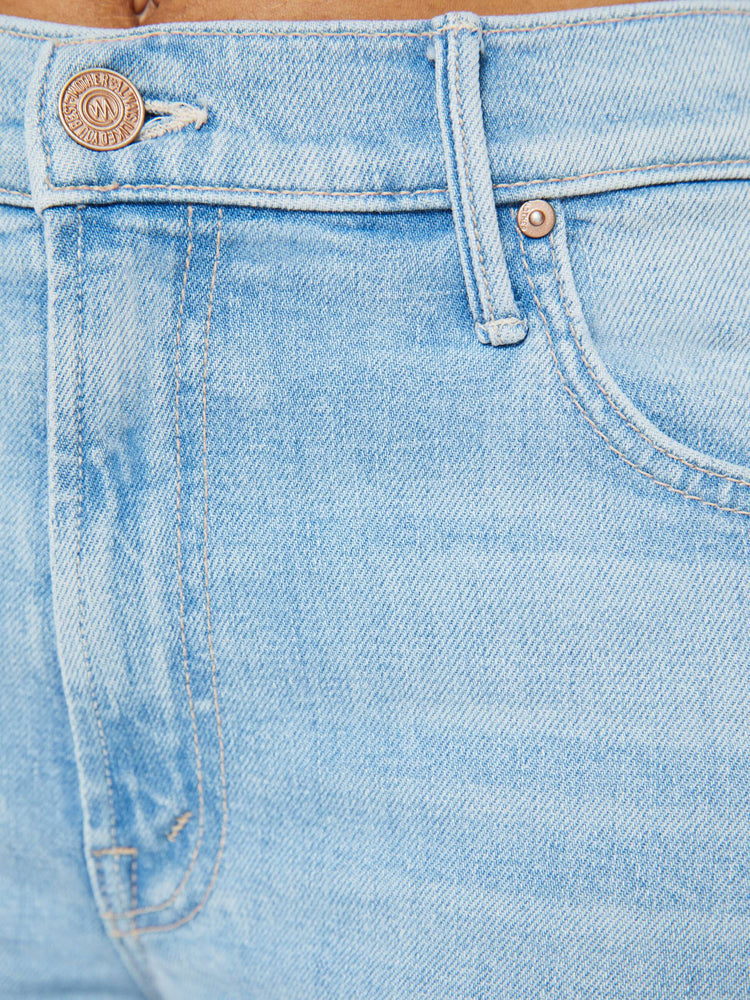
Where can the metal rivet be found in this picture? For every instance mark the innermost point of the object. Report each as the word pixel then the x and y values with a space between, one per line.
pixel 536 218
pixel 101 109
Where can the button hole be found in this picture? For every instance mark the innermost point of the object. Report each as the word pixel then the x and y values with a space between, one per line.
pixel 170 116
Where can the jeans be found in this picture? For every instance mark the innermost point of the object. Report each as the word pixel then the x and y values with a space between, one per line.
pixel 374 575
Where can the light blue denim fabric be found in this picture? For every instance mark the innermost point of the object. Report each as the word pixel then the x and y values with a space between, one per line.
pixel 375 579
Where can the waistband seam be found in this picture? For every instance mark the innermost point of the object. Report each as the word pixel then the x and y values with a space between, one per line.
pixel 408 192
pixel 536 148
pixel 136 34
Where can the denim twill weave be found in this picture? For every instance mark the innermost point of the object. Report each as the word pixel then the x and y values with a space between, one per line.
pixel 374 578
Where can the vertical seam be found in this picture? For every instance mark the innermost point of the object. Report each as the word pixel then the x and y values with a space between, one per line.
pixel 157 928
pixel 467 175
pixel 180 580
pixel 139 946
pixel 137 911
pixel 141 960
pixel 209 628
pixel 42 119
pixel 138 931
pixel 79 535
pixel 134 881
pixel 97 856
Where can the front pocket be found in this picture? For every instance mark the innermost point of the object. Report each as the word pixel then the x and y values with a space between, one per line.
pixel 667 390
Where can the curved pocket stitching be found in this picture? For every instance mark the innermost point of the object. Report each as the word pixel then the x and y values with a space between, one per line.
pixel 650 441
pixel 576 401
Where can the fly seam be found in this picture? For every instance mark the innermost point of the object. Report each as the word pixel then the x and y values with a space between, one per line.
pixel 157 928
pixel 610 446
pixel 467 175
pixel 180 581
pixel 209 628
pixel 79 535
pixel 134 882
pixel 102 882
pixel 181 591
pixel 140 960
pixel 140 956
pixel 618 411
pixel 83 637
pixel 138 943
pixel 183 637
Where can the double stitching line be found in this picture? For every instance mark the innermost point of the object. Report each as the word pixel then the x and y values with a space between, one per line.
pixel 180 583
pixel 467 177
pixel 158 928
pixel 105 188
pixel 158 33
pixel 136 932
pixel 557 25
pixel 83 638
pixel 140 958
pixel 663 15
pixel 137 911
pixel 626 170
pixel 181 590
pixel 405 193
pixel 587 418
pixel 618 411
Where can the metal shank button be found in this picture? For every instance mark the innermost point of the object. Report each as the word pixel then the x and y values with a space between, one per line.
pixel 101 109
pixel 536 218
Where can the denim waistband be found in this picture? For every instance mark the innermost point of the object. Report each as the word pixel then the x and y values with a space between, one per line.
pixel 343 115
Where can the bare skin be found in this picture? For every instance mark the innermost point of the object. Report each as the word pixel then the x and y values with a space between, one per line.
pixel 129 13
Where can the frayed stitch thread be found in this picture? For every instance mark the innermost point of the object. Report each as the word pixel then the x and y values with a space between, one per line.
pixel 172 116
pixel 178 826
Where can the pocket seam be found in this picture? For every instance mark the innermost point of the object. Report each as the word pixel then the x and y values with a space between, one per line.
pixel 602 435
pixel 650 441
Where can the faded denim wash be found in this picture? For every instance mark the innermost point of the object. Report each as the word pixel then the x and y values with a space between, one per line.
pixel 375 579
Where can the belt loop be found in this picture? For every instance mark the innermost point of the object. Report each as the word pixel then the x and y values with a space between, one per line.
pixel 457 43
